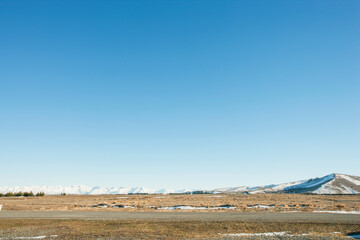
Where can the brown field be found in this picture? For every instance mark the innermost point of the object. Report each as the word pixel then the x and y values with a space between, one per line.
pixel 149 229
pixel 150 203
pixel 15 224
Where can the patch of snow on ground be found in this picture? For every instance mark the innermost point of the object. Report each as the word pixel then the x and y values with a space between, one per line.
pixel 260 206
pixel 38 237
pixel 256 234
pixel 341 212
pixel 182 208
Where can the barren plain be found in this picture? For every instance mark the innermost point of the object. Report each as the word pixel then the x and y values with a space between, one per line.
pixel 186 202
pixel 203 216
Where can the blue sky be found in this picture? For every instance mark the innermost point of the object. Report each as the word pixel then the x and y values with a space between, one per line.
pixel 175 94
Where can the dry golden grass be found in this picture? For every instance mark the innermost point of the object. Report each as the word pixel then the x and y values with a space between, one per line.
pixel 147 203
pixel 149 229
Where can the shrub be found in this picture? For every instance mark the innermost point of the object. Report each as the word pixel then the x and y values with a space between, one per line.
pixel 28 194
pixel 340 206
pixel 18 194
pixel 1 194
pixel 9 194
pixel 63 194
pixel 40 194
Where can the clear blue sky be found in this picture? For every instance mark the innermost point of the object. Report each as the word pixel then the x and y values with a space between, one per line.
pixel 177 94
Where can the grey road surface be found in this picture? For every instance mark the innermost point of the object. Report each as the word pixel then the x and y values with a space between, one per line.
pixel 186 216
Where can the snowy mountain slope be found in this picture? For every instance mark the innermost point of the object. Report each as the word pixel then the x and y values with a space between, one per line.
pixel 329 184
pixel 309 185
pixel 85 190
pixel 341 184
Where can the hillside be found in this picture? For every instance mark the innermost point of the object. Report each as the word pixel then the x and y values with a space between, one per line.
pixel 329 184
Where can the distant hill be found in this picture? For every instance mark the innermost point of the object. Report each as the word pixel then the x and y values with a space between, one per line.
pixel 329 184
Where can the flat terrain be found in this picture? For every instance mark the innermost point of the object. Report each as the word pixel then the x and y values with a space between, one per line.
pixel 195 203
pixel 182 226
pixel 186 216
pixel 201 217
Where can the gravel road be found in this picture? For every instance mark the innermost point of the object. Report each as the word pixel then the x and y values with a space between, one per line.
pixel 186 216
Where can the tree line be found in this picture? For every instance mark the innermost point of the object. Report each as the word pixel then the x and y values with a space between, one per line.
pixel 22 194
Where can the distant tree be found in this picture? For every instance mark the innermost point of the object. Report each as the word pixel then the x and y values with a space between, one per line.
pixel 201 192
pixel 63 194
pixel 1 194
pixel 18 194
pixel 40 194
pixel 26 194
pixel 9 194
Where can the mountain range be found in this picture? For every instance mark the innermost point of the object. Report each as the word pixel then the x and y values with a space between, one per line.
pixel 330 184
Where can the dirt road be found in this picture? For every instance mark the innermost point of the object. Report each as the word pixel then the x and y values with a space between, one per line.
pixel 186 216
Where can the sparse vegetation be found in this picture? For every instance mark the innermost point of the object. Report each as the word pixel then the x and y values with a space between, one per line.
pixel 21 194
pixel 200 192
pixel 9 194
pixel 28 194
pixel 18 194
pixel 152 229
pixel 149 203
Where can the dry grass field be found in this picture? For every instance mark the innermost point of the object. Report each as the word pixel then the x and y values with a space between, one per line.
pixel 200 202
pixel 20 228
pixel 149 229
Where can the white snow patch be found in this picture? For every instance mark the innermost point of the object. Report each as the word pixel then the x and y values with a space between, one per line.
pixel 181 208
pixel 256 234
pixel 38 237
pixel 260 206
pixel 340 212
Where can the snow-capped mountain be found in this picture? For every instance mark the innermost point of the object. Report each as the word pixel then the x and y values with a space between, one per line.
pixel 85 190
pixel 329 184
